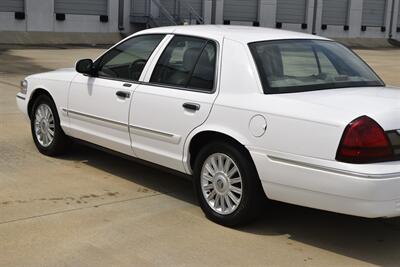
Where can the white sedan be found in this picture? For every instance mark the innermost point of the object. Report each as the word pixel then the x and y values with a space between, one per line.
pixel 249 112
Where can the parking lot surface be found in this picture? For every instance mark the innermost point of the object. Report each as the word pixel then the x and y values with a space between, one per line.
pixel 91 208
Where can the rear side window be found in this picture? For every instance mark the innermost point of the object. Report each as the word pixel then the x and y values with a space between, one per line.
pixel 187 62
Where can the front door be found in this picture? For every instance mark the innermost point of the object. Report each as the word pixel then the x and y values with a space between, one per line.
pixel 175 97
pixel 98 107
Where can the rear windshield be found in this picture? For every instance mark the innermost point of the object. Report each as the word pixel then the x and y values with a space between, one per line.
pixel 290 66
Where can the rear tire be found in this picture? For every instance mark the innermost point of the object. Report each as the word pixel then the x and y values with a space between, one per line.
pixel 227 196
pixel 47 133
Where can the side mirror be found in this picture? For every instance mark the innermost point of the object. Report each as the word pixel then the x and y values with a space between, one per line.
pixel 85 66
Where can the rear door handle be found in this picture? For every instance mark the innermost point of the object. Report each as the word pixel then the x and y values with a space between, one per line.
pixel 123 94
pixel 191 106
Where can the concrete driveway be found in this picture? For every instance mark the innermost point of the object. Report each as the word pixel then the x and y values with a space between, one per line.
pixel 91 208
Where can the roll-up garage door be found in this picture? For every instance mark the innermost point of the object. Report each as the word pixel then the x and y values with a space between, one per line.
pixel 291 11
pixel 335 12
pixel 11 5
pixel 81 7
pixel 374 13
pixel 241 10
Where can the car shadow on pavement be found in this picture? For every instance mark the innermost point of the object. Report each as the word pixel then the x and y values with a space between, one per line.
pixel 376 241
pixel 14 64
pixel 156 179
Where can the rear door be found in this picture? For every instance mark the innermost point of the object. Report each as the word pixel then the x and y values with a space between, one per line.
pixel 175 97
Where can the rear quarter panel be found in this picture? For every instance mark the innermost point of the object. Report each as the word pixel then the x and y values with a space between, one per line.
pixel 294 129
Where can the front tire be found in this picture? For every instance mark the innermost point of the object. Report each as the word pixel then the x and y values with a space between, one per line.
pixel 227 184
pixel 47 133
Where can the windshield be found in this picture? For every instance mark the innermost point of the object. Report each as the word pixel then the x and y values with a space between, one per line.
pixel 290 66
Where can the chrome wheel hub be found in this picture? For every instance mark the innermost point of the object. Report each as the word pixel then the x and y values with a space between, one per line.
pixel 44 125
pixel 221 183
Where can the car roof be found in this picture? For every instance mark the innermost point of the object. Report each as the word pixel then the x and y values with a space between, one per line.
pixel 244 34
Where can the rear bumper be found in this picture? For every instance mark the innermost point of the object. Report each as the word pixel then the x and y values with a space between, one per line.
pixel 366 194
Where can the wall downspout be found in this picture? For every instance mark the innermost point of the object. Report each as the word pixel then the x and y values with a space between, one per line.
pixel 121 15
pixel 391 20
pixel 314 25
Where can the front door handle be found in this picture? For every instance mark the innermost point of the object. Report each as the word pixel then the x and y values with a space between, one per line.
pixel 123 94
pixel 191 106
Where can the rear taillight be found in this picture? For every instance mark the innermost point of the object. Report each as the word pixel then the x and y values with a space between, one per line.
pixel 364 141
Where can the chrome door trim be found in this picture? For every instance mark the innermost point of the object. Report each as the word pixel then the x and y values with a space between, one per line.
pixel 73 112
pixel 154 134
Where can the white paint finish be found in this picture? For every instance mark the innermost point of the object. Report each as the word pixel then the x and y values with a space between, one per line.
pixel 164 140
pixel 295 158
pixel 331 191
pixel 96 97
pixel 170 122
pixel 258 125
pixel 57 84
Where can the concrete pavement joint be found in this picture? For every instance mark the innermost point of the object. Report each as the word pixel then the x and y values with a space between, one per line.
pixel 76 209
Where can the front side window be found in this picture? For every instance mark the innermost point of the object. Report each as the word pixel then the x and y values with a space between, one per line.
pixel 127 60
pixel 187 62
pixel 290 66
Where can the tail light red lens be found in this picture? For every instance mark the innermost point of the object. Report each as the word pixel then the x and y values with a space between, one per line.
pixel 364 141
